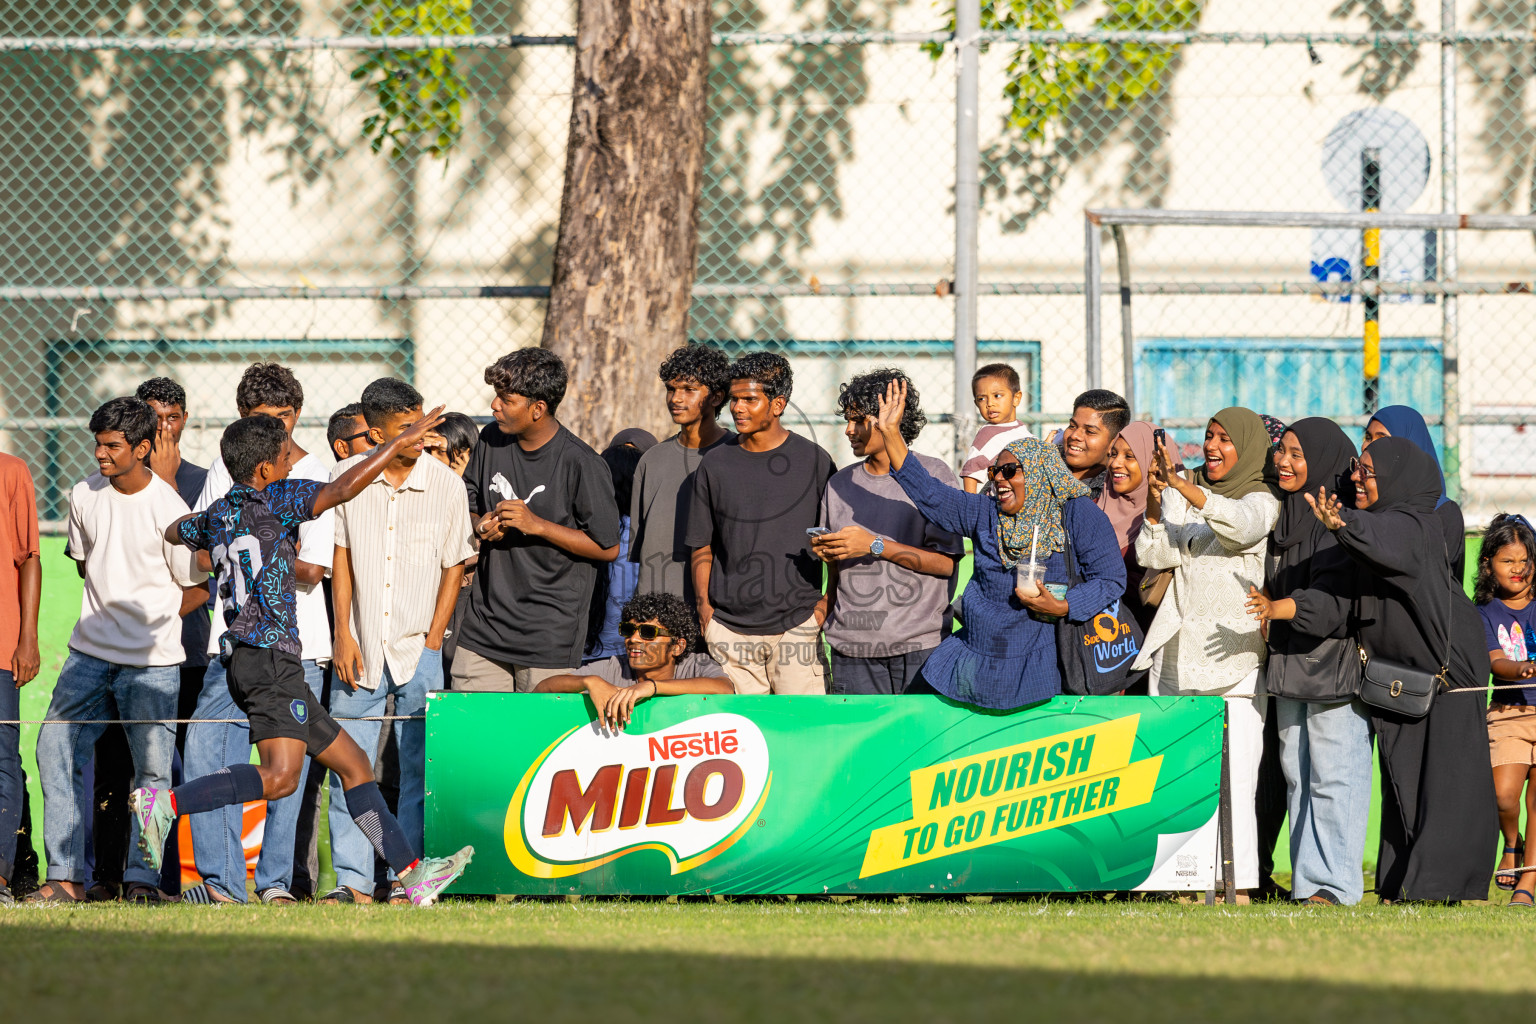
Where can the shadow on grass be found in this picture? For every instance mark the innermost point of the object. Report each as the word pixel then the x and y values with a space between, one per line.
pixel 70 966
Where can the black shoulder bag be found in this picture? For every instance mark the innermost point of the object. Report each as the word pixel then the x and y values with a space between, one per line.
pixel 1095 656
pixel 1399 689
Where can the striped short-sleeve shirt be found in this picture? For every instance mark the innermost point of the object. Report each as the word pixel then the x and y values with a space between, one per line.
pixel 990 441
pixel 399 541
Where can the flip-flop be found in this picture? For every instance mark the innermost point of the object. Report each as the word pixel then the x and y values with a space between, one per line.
pixel 1528 894
pixel 51 894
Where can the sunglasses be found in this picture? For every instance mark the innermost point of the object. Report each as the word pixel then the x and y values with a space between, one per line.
pixel 353 437
pixel 1357 468
pixel 647 630
pixel 1007 471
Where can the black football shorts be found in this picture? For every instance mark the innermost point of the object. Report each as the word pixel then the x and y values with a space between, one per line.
pixel 269 687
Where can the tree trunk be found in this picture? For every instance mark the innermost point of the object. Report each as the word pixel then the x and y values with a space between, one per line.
pixel 629 213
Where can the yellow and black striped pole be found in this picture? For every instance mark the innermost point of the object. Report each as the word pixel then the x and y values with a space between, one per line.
pixel 1370 270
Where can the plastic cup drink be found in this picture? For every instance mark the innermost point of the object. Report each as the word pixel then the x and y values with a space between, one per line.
pixel 1029 578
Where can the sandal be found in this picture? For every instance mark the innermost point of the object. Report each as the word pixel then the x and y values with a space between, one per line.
pixel 1508 878
pixel 101 892
pixel 1530 898
pixel 146 895
pixel 51 894
pixel 398 897
pixel 342 894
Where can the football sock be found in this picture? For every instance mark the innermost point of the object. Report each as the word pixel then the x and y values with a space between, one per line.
pixel 366 805
pixel 236 784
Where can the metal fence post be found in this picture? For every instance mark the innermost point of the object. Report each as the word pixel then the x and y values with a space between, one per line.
pixel 1127 335
pixel 1093 274
pixel 1224 811
pixel 1450 431
pixel 967 204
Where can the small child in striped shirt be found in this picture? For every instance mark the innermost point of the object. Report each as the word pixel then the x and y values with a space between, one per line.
pixel 995 388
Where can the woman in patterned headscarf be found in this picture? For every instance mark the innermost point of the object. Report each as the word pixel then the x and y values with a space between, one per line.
pixel 1213 532
pixel 1005 656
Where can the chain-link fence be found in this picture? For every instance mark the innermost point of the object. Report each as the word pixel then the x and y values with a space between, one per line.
pixel 186 187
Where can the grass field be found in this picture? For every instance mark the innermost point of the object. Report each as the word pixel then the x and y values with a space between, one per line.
pixel 620 961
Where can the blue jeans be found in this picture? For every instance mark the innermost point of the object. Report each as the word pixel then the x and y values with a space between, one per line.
pixel 1325 751
pixel 87 689
pixel 10 773
pixel 351 852
pixel 216 845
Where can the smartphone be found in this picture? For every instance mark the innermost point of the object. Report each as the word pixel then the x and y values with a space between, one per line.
pixel 1160 436
pixel 817 531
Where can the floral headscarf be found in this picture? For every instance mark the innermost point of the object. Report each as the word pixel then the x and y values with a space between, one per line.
pixel 1048 485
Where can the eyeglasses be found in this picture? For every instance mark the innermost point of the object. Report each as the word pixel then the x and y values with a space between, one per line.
pixel 1007 471
pixel 1357 468
pixel 648 631
pixel 353 437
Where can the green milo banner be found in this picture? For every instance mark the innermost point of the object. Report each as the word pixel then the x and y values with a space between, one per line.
pixel 758 795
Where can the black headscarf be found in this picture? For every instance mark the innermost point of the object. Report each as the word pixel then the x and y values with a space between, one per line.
pixel 1407 477
pixel 1328 451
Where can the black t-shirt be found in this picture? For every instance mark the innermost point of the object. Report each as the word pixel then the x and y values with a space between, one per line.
pixel 753 509
pixel 528 604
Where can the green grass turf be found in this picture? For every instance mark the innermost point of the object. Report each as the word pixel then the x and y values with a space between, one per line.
pixel 619 962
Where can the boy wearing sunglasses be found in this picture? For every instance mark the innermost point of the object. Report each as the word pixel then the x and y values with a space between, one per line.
pixel 658 631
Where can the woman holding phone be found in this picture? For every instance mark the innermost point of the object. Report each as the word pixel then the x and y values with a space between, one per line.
pixel 1213 532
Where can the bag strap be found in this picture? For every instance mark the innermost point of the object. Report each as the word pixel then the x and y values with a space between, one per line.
pixel 1450 610
pixel 1069 554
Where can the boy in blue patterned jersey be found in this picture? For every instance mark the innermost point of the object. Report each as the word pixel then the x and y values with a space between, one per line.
pixel 249 534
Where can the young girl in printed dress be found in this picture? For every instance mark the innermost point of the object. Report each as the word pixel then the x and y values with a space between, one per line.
pixel 1505 565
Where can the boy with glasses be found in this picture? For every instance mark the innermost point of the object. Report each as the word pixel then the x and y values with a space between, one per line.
pixel 659 630
pixel 347 432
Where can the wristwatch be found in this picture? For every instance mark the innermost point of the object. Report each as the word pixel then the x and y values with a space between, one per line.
pixel 877 546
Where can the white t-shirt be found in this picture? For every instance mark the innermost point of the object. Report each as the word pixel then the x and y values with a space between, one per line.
pixel 130 611
pixel 317 546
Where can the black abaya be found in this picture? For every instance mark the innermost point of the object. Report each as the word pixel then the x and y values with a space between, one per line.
pixel 1438 813
pixel 1438 810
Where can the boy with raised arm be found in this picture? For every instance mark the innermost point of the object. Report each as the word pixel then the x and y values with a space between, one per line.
pixel 249 533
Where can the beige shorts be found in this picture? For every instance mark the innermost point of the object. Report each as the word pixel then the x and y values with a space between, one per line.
pixel 781 663
pixel 476 673
pixel 1512 734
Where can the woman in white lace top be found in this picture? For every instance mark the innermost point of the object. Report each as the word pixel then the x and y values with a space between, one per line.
pixel 1213 532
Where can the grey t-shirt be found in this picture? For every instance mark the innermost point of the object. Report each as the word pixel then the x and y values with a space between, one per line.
pixel 617 672
pixel 660 497
pixel 882 609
